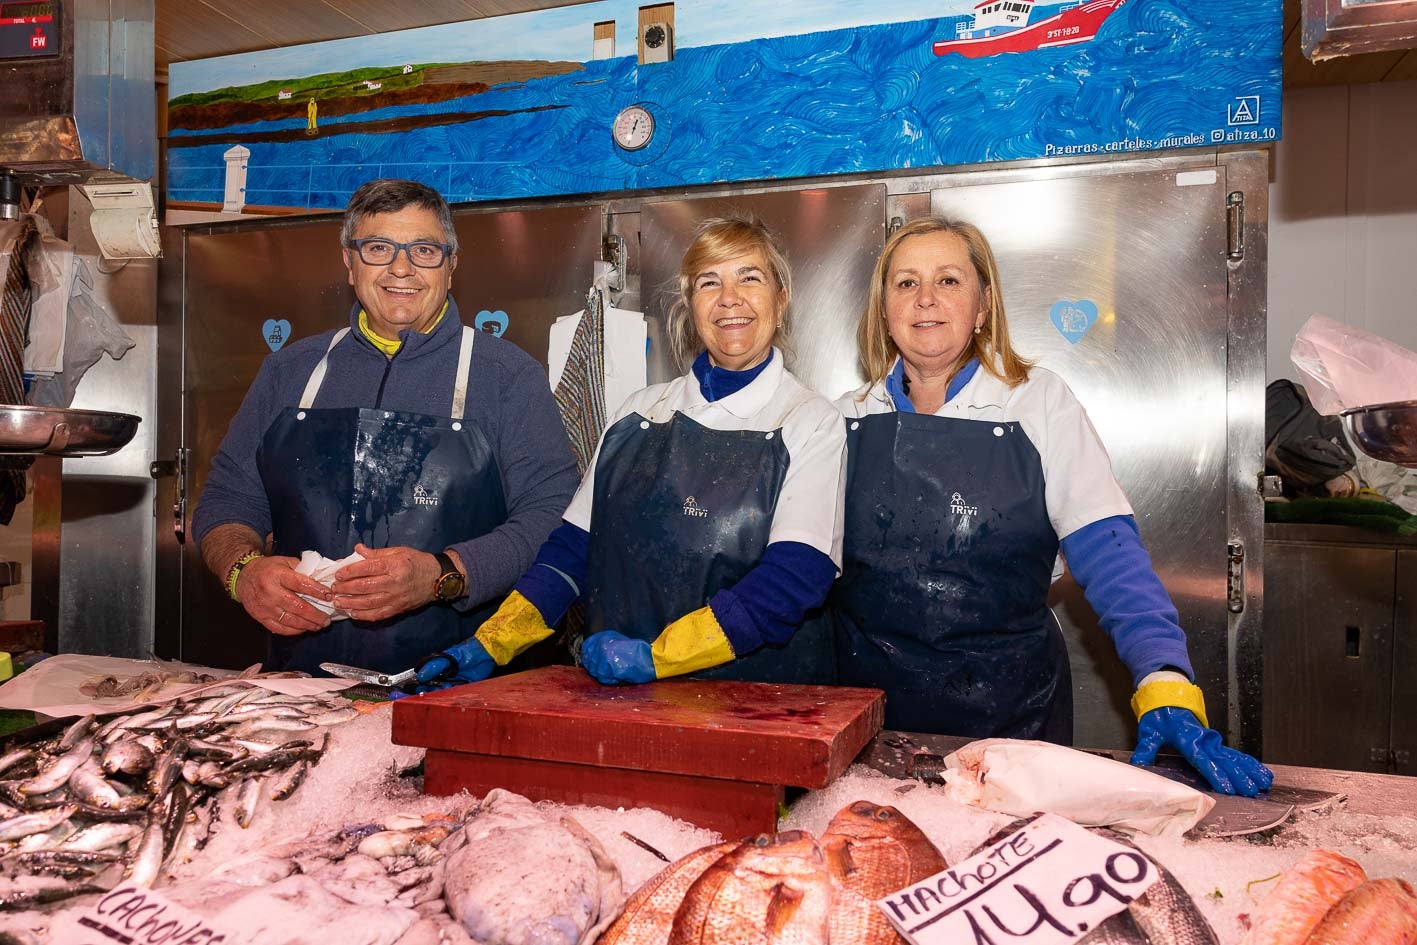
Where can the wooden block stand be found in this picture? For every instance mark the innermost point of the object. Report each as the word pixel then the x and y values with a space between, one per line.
pixel 717 754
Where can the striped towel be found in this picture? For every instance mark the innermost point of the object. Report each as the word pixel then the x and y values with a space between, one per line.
pixel 14 331
pixel 580 394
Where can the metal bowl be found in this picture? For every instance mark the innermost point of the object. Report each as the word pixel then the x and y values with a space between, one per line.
pixel 1386 431
pixel 53 431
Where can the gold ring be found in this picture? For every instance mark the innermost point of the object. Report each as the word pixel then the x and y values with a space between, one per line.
pixel 281 618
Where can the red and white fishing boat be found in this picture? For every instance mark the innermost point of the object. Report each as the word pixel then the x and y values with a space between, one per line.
pixel 1001 26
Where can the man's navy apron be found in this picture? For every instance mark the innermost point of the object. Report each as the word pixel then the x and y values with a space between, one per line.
pixel 385 478
pixel 947 560
pixel 681 512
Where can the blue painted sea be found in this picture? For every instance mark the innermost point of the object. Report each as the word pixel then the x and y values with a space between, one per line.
pixel 841 101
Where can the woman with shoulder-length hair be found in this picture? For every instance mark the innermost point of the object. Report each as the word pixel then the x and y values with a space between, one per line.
pixel 968 468
pixel 709 523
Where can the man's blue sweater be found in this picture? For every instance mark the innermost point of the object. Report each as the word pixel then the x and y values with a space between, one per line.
pixel 508 398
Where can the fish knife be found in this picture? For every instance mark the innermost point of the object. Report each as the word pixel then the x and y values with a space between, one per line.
pixel 370 676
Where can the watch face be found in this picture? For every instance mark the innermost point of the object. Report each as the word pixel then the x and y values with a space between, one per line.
pixel 451 586
pixel 654 36
pixel 633 128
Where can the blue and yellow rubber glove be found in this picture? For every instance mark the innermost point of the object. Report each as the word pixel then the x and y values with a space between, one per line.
pixel 1170 709
pixel 515 626
pixel 689 644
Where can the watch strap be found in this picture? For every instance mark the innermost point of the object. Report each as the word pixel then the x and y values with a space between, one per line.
pixel 447 570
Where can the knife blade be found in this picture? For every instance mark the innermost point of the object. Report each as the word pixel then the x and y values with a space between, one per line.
pixel 392 681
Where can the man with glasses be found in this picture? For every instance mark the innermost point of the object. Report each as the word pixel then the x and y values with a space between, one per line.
pixel 434 451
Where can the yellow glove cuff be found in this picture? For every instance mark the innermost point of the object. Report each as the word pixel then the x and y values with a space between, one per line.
pixel 516 626
pixel 689 644
pixel 1182 695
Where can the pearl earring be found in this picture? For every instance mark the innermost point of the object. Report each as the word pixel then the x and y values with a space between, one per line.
pixel 976 329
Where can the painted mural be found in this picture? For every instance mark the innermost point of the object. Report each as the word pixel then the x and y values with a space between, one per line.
pixel 611 96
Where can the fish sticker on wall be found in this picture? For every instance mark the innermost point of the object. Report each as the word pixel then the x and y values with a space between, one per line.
pixel 494 323
pixel 276 332
pixel 1073 318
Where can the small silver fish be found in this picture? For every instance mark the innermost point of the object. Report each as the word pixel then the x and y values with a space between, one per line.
pixel 38 822
pixel 89 786
pixel 288 780
pixel 247 797
pixel 101 836
pixel 74 732
pixel 57 774
pixel 10 759
pixel 147 861
pixel 127 756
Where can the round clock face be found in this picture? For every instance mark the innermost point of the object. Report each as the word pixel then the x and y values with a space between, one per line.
pixel 654 37
pixel 633 128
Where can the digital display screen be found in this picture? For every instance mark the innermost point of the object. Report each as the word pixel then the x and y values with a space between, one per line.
pixel 26 10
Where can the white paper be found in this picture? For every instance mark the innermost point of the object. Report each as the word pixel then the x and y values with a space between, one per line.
pixel 1013 776
pixel 1051 877
pixel 51 687
pixel 1343 367
pixel 133 914
pixel 625 371
pixel 322 569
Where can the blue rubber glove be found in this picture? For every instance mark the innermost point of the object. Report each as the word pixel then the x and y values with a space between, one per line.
pixel 611 657
pixel 1228 771
pixel 466 662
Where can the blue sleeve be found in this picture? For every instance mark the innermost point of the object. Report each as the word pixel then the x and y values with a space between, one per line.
pixel 770 602
pixel 556 578
pixel 1110 564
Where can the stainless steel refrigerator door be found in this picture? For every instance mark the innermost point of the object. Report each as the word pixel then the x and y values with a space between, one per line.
pixel 1148 249
pixel 534 265
pixel 831 236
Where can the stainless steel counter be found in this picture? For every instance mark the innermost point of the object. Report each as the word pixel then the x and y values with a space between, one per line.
pixel 898 754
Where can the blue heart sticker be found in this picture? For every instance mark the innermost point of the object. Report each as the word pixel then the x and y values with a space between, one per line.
pixel 1073 318
pixel 494 323
pixel 275 332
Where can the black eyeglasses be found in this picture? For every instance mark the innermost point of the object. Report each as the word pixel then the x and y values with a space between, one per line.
pixel 377 251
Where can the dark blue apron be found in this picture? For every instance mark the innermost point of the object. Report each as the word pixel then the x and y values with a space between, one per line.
pixel 943 598
pixel 681 512
pixel 336 476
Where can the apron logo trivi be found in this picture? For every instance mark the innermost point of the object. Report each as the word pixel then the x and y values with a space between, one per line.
pixel 959 507
pixel 422 496
pixel 693 509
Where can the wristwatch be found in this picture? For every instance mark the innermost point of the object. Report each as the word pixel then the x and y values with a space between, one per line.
pixel 451 584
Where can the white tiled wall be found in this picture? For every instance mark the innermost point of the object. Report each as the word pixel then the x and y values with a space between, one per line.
pixel 1343 214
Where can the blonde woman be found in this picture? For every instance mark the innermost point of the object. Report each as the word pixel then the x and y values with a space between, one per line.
pixel 710 522
pixel 969 468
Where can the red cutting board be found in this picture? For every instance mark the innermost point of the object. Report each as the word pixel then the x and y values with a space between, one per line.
pixel 804 736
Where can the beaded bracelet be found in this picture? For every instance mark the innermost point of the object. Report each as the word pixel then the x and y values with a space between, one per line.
pixel 235 572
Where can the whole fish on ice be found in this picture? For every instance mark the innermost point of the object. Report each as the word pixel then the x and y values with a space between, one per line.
pixel 773 889
pixel 871 852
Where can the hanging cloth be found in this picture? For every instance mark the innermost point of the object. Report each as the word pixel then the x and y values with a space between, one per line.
pixel 580 396
pixel 15 306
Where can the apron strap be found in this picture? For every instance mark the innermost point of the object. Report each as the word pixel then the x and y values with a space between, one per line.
pixel 317 376
pixel 460 381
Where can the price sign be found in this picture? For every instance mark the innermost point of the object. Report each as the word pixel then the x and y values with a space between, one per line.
pixel 1046 884
pixel 131 915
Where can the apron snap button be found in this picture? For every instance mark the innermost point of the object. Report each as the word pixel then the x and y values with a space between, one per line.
pixel 769 436
pixel 644 424
pixel 457 425
pixel 300 415
pixel 998 431
pixel 855 424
